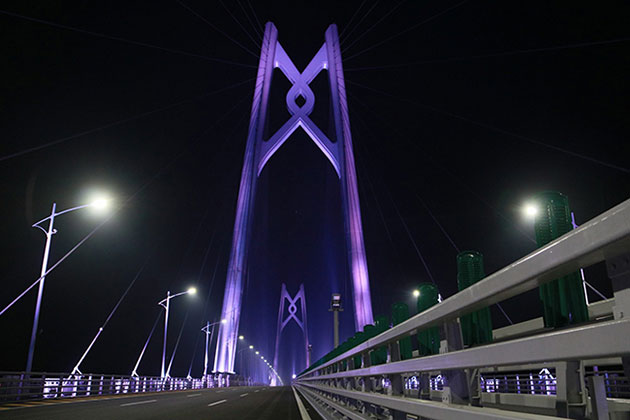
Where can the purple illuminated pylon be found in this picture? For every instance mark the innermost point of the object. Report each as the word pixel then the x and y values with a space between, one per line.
pixel 291 304
pixel 258 151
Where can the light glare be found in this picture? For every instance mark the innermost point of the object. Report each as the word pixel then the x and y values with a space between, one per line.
pixel 192 290
pixel 530 210
pixel 100 203
pixel 416 293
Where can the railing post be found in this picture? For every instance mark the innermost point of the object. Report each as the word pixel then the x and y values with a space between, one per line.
pixel 456 387
pixel 619 272
pixel 570 396
pixel 397 386
pixel 474 392
pixel 367 380
pixel 597 392
pixel 424 386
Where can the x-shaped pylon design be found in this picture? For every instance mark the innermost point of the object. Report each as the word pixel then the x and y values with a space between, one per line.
pixel 292 308
pixel 300 114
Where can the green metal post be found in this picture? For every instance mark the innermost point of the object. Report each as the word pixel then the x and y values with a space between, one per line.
pixel 400 313
pixel 476 326
pixel 563 299
pixel 379 355
pixel 428 339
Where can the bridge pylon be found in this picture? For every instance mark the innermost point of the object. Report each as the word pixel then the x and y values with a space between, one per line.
pixel 259 150
pixel 292 312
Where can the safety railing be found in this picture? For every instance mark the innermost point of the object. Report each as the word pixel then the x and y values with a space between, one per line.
pixel 21 386
pixel 581 370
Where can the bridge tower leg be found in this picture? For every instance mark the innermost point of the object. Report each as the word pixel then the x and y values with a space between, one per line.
pixel 258 151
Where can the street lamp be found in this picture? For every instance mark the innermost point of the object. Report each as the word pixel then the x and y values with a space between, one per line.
pixel 165 303
pixel 416 293
pixel 209 333
pixel 99 203
pixel 530 210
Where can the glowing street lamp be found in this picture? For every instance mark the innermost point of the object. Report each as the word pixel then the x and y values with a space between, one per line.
pixel 416 293
pixel 530 211
pixel 165 303
pixel 251 347
pixel 100 203
pixel 209 333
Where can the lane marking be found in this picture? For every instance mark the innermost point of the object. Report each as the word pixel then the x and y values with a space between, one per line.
pixel 138 403
pixel 193 395
pixel 91 398
pixel 216 403
pixel 218 392
pixel 242 395
pixel 300 404
pixel 258 390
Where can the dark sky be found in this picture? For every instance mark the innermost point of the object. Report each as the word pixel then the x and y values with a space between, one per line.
pixel 460 113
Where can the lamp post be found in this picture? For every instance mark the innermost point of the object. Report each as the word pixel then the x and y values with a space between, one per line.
pixel 335 308
pixel 209 334
pixel 165 303
pixel 100 203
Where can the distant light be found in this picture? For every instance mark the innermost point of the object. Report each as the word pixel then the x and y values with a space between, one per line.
pixel 251 347
pixel 530 210
pixel 223 321
pixel 240 337
pixel 416 293
pixel 257 352
pixel 294 376
pixel 192 290
pixel 262 358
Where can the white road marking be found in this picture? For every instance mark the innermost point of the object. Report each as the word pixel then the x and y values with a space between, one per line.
pixel 242 395
pixel 193 395
pixel 218 392
pixel 300 404
pixel 216 403
pixel 138 403
pixel 258 390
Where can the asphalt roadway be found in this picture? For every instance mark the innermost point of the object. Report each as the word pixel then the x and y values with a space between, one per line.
pixel 243 403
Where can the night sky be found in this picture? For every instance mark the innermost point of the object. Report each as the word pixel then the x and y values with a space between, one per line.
pixel 461 112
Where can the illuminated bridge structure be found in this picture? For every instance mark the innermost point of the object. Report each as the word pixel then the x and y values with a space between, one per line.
pixel 259 150
pixel 528 371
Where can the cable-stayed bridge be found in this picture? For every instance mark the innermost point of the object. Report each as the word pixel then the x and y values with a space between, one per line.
pixel 445 362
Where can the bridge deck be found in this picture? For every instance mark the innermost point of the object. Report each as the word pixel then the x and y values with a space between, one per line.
pixel 217 403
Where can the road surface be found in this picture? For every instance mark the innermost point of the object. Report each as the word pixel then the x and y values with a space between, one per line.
pixel 243 403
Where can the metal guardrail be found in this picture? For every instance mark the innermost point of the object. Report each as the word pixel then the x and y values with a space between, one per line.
pixel 344 389
pixel 22 386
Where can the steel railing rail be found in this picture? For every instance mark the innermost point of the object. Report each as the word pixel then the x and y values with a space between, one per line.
pixel 428 409
pixel 354 384
pixel 605 339
pixel 603 237
pixel 22 386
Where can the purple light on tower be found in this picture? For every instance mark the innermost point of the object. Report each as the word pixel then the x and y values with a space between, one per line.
pixel 258 151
